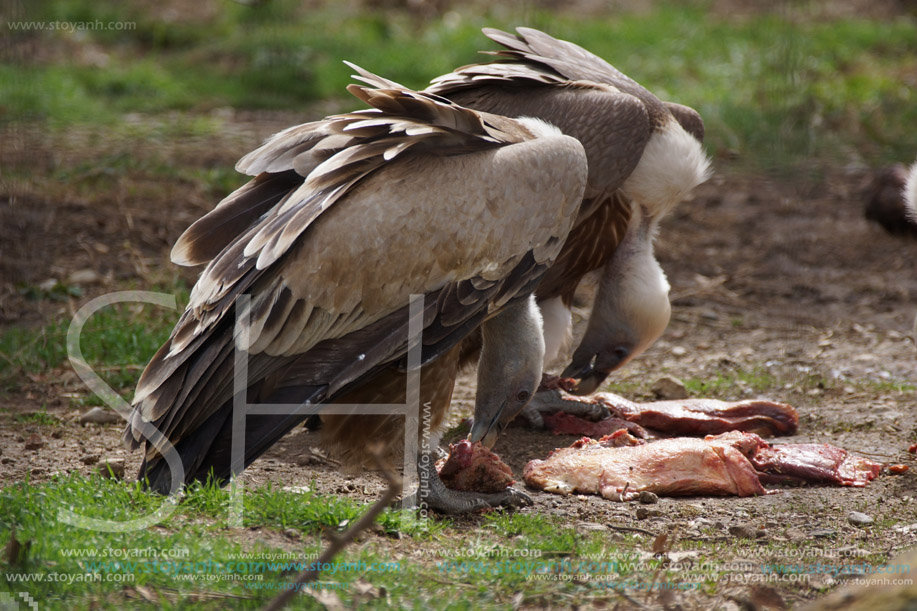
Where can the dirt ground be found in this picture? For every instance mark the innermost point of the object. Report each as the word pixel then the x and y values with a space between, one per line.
pixel 780 277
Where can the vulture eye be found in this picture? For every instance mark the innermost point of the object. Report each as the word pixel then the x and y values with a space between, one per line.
pixel 523 396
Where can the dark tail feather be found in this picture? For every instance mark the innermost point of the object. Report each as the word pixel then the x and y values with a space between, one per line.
pixel 209 448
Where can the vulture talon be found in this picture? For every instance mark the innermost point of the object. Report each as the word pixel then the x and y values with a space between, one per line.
pixel 532 416
pixel 553 402
pixel 433 494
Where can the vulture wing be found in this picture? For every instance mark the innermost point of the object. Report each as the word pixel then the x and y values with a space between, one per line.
pixel 569 87
pixel 352 215
pixel 644 156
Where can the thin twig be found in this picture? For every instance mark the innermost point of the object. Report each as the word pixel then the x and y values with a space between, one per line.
pixel 624 595
pixel 632 529
pixel 339 543
pixel 213 595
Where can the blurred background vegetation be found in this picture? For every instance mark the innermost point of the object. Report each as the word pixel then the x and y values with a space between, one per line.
pixel 795 82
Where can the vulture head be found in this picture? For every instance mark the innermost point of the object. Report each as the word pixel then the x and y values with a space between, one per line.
pixel 631 308
pixel 630 312
pixel 509 370
pixel 887 201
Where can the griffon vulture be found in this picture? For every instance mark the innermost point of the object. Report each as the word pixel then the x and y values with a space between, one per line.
pixel 644 155
pixel 344 219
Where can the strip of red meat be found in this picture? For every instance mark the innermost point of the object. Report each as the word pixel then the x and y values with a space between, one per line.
pixel 681 417
pixel 708 416
pixel 813 463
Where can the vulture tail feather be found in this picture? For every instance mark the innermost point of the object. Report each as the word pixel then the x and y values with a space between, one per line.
pixel 208 450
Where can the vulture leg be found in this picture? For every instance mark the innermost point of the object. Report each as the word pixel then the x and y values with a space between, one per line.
pixel 551 401
pixel 347 436
pixel 508 374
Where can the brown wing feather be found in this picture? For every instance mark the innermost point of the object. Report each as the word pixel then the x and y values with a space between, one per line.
pixel 315 315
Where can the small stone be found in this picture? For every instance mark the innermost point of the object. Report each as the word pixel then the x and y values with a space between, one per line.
pixel 669 388
pixel 644 513
pixel 34 442
pixel 291 533
pixel 84 276
pixel 590 527
pixel 679 351
pixel 6 460
pixel 795 535
pixel 37 471
pixel 859 519
pixel 112 467
pixel 822 533
pixel 90 459
pixel 57 434
pixel 647 498
pixel 745 531
pixel 97 415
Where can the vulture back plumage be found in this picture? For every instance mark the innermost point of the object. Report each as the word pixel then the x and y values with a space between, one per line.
pixel 644 157
pixel 343 220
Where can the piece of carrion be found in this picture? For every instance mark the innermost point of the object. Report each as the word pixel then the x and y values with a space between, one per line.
pixel 682 417
pixel 620 466
pixel 472 467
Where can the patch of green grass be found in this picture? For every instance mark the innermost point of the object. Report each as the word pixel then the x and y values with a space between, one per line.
pixel 779 90
pixel 43 418
pixel 496 560
pixel 190 551
pixel 885 386
pixel 116 341
pixel 193 540
pixel 756 379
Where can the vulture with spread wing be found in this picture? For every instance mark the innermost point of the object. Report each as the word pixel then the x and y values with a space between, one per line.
pixel 644 156
pixel 344 219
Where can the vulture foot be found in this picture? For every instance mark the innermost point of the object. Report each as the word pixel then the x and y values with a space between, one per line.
pixel 551 401
pixel 433 494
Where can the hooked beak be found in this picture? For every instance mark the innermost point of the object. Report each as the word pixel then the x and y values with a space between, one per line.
pixel 487 431
pixel 591 375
